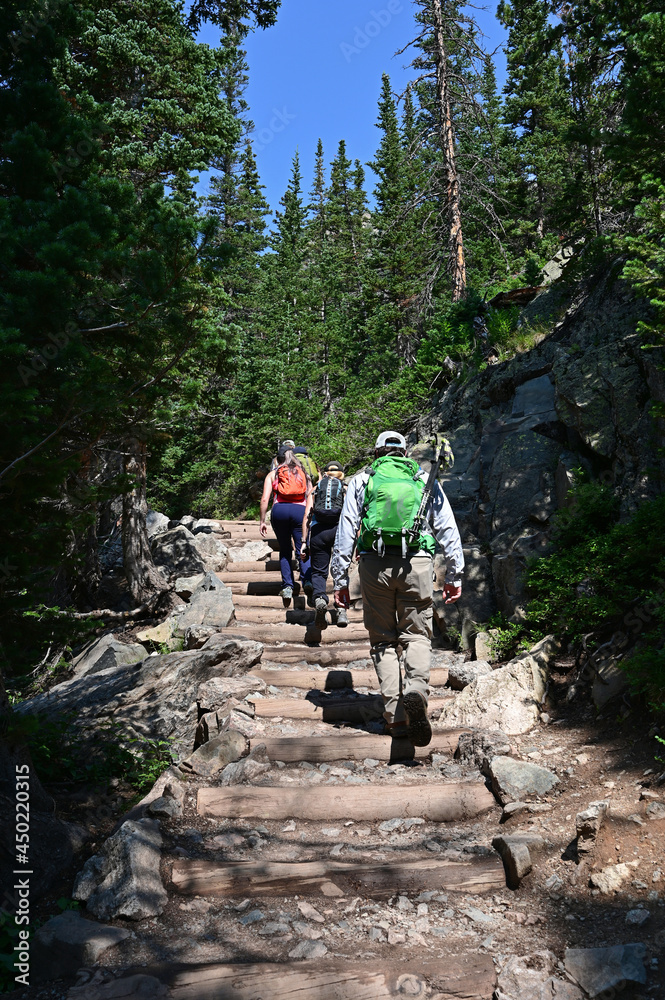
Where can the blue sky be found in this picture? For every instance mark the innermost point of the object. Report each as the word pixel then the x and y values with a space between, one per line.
pixel 317 73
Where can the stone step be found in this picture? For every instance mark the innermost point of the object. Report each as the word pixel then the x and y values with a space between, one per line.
pixel 347 746
pixel 361 708
pixel 371 879
pixel 445 803
pixel 269 634
pixel 470 976
pixel 334 680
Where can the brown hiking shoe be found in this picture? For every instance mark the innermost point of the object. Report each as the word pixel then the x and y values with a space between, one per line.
pixel 417 723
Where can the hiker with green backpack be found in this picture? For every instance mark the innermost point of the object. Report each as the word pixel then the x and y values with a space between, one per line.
pixel 396 515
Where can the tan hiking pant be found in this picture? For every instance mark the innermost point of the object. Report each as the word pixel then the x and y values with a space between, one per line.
pixel 397 610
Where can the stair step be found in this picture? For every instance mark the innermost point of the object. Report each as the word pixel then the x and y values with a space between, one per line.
pixel 291 615
pixel 257 588
pixel 264 602
pixel 371 879
pixel 469 975
pixel 342 746
pixel 249 576
pixel 334 680
pixel 449 803
pixel 328 656
pixel 296 633
pixel 362 708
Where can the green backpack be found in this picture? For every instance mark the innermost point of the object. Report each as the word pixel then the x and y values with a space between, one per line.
pixel 309 465
pixel 392 501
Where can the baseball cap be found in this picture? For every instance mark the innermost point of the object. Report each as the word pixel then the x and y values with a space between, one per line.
pixel 388 438
pixel 287 444
pixel 299 450
pixel 333 467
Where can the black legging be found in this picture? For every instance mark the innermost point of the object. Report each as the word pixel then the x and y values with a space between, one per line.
pixel 321 542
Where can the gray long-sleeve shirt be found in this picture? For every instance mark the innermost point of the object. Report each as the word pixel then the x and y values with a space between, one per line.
pixel 441 519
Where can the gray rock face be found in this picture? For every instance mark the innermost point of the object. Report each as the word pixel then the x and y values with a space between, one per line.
pixel 601 969
pixel 107 652
pixel 461 672
pixel 156 523
pixel 583 393
pixel 255 551
pixel 532 977
pixel 517 780
pixel 196 636
pixel 479 746
pixel 124 879
pixel 216 754
pixel 588 823
pixel 67 942
pixel 176 554
pixel 508 698
pixel 156 698
pixel 186 585
pixel 212 550
pixel 215 693
pixel 213 608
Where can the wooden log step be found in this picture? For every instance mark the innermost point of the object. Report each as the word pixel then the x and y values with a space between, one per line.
pixel 249 567
pixel 449 803
pixel 300 617
pixel 362 708
pixel 327 656
pixel 334 680
pixel 343 746
pixel 467 976
pixel 249 576
pixel 266 602
pixel 296 633
pixel 261 587
pixel 370 879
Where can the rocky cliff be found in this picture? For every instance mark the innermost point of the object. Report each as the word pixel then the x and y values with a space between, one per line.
pixel 581 398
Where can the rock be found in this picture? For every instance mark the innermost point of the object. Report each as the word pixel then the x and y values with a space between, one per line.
pixel 211 606
pixel 516 780
pixel 598 970
pixel 156 699
pixel 216 754
pixel 156 523
pixel 655 810
pixel 107 652
pixel 137 987
pixel 66 942
pixel 610 682
pixel 213 551
pixel 213 694
pixel 186 585
pixel 532 977
pixel 196 636
pixel 463 672
pixel 588 824
pixel 508 697
pixel 310 912
pixel 165 808
pixel 638 917
pixel 207 525
pixel 160 635
pixel 175 553
pixel 243 772
pixel 123 880
pixel 309 949
pixel 484 645
pixel 516 858
pixel 253 917
pixel 512 809
pixel 250 552
pixel 610 879
pixel 480 745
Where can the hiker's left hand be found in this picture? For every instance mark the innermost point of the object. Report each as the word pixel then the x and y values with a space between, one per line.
pixel 451 593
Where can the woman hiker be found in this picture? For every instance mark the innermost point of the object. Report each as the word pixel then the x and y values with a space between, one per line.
pixel 290 487
pixel 322 514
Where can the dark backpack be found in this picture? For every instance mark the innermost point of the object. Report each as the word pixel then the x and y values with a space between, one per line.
pixel 328 500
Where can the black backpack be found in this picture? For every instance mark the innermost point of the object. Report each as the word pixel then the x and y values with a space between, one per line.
pixel 328 500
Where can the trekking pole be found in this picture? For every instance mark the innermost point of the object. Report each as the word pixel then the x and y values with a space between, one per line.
pixel 419 521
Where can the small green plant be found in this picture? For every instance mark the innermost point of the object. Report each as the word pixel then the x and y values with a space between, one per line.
pixel 532 273
pixel 507 637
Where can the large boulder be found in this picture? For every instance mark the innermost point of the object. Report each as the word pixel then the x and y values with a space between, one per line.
pixel 210 604
pixel 67 942
pixel 124 879
pixel 213 551
pixel 519 780
pixel 508 698
pixel 176 554
pixel 156 523
pixel 106 652
pixel 156 698
pixel 255 551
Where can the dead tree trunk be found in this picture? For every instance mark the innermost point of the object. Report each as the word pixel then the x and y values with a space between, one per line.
pixel 447 140
pixel 146 583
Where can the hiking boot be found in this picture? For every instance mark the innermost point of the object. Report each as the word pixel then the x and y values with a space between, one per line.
pixel 417 723
pixel 341 618
pixel 286 593
pixel 321 606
